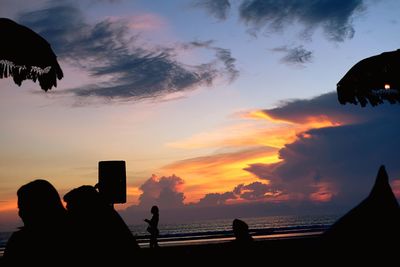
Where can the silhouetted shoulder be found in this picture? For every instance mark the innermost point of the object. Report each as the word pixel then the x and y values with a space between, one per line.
pixel 100 232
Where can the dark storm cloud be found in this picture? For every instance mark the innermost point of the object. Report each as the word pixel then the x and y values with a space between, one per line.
pixel 295 55
pixel 333 16
pixel 217 8
pixel 342 161
pixel 327 106
pixel 108 49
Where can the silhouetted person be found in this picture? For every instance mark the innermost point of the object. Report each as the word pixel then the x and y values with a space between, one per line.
pixel 241 250
pixel 153 227
pixel 43 240
pixel 241 232
pixel 100 232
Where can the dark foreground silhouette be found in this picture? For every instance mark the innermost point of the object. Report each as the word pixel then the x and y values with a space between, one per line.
pixel 241 233
pixel 100 233
pixel 44 240
pixel 369 230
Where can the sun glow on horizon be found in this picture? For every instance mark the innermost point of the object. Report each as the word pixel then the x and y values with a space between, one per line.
pixel 222 172
pixel 219 173
pixel 9 205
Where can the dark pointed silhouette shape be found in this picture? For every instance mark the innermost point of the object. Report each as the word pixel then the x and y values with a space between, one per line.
pixel 374 79
pixel 373 225
pixel 24 54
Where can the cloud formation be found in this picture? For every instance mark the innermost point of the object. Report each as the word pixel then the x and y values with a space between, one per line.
pixel 216 199
pixel 164 192
pixel 167 192
pixel 334 163
pixel 109 51
pixel 295 55
pixel 333 17
pixel 326 106
pixel 328 169
pixel 219 172
pixel 255 191
pixel 221 54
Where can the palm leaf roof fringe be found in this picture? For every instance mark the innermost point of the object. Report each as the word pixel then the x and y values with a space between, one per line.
pixel 21 73
pixel 37 62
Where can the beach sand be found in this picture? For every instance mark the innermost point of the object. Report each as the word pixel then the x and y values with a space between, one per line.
pixel 278 250
pixel 301 250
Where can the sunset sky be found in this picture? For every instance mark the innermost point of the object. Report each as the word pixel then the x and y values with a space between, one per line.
pixel 212 103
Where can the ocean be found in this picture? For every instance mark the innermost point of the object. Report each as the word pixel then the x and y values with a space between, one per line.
pixel 221 229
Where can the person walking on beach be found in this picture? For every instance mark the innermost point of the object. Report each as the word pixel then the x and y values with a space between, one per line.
pixel 43 240
pixel 153 227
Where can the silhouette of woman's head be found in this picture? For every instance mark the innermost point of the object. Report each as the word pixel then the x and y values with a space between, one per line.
pixel 240 229
pixel 154 210
pixel 82 199
pixel 39 203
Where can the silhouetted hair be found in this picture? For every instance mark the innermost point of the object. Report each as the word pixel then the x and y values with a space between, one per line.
pixel 154 210
pixel 239 225
pixel 39 202
pixel 241 230
pixel 83 198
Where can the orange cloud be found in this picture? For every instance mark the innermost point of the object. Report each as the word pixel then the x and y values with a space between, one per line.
pixel 220 172
pixel 132 194
pixel 259 129
pixel 260 114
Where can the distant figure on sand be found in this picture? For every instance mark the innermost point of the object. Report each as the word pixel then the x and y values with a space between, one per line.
pixel 153 227
pixel 43 240
pixel 101 234
pixel 241 232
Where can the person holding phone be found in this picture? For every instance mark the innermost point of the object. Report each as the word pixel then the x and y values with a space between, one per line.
pixel 153 227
